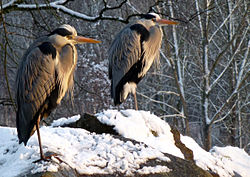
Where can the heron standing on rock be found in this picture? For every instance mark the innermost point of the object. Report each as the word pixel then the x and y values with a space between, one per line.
pixel 44 76
pixel 132 53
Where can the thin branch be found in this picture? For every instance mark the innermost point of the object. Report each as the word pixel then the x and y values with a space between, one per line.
pixel 216 115
pixel 6 102
pixel 228 45
pixel 60 6
pixel 5 61
pixel 229 63
pixel 160 102
pixel 168 92
pixel 165 58
pixel 86 90
pixel 224 117
pixel 172 115
pixel 224 22
pixel 243 66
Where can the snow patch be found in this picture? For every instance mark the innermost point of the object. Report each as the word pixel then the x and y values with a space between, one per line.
pixel 142 126
pixel 90 153
pixel 65 121
pixel 86 152
pixel 152 170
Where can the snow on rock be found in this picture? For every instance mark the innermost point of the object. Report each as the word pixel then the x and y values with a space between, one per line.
pixel 10 152
pixel 205 160
pixel 224 161
pixel 156 169
pixel 86 152
pixel 150 129
pixel 233 158
pixel 64 121
pixel 142 126
pixel 90 153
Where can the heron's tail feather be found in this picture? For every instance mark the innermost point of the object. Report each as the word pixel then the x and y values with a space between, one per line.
pixel 25 128
pixel 121 93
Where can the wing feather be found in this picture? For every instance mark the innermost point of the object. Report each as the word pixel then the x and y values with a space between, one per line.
pixel 34 83
pixel 124 52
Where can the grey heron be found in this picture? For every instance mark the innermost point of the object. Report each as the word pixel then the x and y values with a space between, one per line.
pixel 132 53
pixel 45 74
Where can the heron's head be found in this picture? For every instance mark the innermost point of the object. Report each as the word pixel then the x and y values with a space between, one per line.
pixel 67 34
pixel 157 19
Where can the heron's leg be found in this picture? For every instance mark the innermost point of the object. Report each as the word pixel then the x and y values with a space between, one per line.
pixel 43 157
pixel 39 139
pixel 118 108
pixel 136 106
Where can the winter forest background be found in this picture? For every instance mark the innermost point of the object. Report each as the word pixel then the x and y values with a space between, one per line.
pixel 201 85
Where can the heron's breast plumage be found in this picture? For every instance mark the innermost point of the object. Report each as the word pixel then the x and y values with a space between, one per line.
pixel 67 60
pixel 151 49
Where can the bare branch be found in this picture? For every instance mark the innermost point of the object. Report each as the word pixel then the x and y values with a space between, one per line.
pixel 229 62
pixel 60 6
pixel 228 45
pixel 227 114
pixel 234 93
pixel 5 61
pixel 224 22
pixel 172 115
pixel 160 102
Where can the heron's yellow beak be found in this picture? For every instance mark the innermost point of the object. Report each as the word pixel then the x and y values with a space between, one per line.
pixel 81 39
pixel 166 22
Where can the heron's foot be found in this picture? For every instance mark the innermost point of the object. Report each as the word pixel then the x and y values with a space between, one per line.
pixel 46 158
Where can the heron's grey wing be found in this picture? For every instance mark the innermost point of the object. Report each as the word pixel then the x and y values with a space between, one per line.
pixel 35 81
pixel 124 52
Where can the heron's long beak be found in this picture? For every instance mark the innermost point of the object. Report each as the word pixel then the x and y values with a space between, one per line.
pixel 166 22
pixel 81 39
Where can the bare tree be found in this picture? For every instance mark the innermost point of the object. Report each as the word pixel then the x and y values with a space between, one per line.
pixel 212 77
pixel 201 84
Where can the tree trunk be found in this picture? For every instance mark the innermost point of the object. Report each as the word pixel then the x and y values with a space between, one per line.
pixel 179 76
pixel 232 125
pixel 207 137
pixel 205 119
pixel 233 115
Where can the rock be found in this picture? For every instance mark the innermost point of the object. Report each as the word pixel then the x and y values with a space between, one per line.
pixel 179 167
pixel 188 153
pixel 92 124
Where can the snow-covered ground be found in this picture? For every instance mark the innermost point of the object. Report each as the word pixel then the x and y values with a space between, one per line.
pixel 91 153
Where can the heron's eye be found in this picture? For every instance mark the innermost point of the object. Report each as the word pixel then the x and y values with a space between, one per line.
pixel 154 19
pixel 69 37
